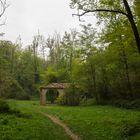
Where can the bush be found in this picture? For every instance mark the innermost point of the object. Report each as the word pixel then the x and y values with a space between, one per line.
pixel 130 128
pixel 15 91
pixel 71 96
pixel 4 107
pixel 22 96
pixel 61 100
pixel 88 102
pixel 128 104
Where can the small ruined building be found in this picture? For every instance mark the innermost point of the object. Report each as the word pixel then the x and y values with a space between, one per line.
pixel 58 86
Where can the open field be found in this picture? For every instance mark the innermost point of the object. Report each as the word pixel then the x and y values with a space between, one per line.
pixel 89 123
pixel 29 126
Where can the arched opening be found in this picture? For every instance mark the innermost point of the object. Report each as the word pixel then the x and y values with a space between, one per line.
pixel 58 89
pixel 51 95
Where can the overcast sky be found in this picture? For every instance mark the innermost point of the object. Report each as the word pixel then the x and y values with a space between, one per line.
pixel 26 17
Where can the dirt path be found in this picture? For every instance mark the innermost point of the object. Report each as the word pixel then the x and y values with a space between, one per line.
pixel 60 123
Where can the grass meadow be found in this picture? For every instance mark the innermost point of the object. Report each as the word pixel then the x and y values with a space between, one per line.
pixel 88 122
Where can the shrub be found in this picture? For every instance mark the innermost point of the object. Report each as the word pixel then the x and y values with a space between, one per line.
pixel 130 128
pixel 22 96
pixel 128 104
pixel 71 96
pixel 88 102
pixel 15 91
pixel 4 107
pixel 61 100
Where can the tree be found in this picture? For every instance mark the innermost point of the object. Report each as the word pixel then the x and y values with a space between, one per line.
pixel 69 44
pixel 3 7
pixel 9 59
pixel 88 6
pixel 35 46
pixel 87 40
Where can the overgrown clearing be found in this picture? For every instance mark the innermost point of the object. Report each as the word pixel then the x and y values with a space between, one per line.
pixel 85 70
pixel 30 126
pixel 89 122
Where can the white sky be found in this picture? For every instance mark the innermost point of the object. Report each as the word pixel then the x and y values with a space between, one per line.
pixel 26 17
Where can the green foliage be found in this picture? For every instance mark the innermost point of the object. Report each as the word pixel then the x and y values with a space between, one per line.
pixel 28 124
pixel 88 102
pixel 71 96
pixel 105 65
pixel 4 107
pixel 130 128
pixel 51 75
pixel 109 71
pixel 100 122
pixel 128 104
pixel 16 92
pixel 16 71
pixel 61 100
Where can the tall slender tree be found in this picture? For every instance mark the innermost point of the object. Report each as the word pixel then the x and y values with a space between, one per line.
pixel 117 7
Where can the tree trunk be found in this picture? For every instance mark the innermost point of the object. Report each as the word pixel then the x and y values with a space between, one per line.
pixel 129 86
pixel 36 75
pixel 93 73
pixel 133 24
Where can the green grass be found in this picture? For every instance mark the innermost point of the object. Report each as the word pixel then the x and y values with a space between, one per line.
pixel 90 123
pixel 98 122
pixel 31 126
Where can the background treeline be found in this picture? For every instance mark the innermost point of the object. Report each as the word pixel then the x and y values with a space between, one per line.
pixel 104 65
pixel 16 71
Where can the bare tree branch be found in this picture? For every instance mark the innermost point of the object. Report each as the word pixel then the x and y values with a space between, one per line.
pixel 4 6
pixel 100 10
